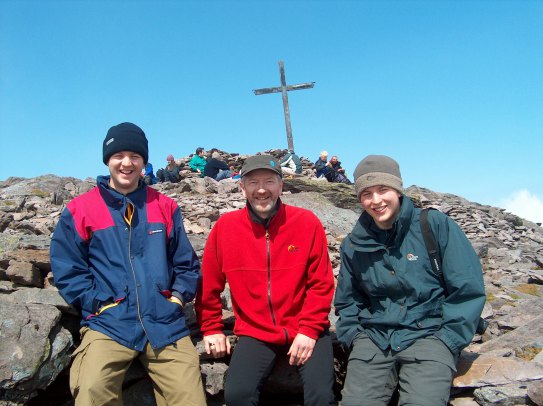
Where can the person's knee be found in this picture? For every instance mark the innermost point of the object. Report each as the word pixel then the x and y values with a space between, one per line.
pixel 97 390
pixel 319 395
pixel 240 395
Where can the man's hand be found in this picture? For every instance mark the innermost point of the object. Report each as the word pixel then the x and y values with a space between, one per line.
pixel 301 349
pixel 217 345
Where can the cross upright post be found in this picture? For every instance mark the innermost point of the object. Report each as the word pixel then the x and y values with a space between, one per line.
pixel 284 89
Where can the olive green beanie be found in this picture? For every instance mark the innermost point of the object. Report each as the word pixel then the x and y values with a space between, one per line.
pixel 376 170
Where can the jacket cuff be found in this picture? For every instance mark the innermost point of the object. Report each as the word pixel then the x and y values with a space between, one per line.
pixel 178 295
pixel 211 332
pixel 310 332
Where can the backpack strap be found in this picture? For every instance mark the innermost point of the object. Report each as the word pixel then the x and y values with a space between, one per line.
pixel 431 246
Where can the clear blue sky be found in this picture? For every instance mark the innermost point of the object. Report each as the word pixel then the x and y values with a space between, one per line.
pixel 453 90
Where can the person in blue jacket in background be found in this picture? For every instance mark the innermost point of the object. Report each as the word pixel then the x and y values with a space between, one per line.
pixel 120 255
pixel 400 324
pixel 148 175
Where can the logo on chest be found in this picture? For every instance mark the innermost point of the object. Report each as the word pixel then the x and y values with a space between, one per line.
pixel 412 257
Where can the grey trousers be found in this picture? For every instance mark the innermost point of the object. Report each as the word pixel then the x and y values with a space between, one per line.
pixel 424 372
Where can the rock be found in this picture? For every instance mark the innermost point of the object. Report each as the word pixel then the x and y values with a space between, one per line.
pixel 48 297
pixel 535 392
pixel 24 273
pixel 507 395
pixel 530 334
pixel 337 221
pixel 486 370
pixel 213 375
pixel 34 349
pixel 228 186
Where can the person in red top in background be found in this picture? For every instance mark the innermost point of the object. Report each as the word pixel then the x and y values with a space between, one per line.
pixel 281 284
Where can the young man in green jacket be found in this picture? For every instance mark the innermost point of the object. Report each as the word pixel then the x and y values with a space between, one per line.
pixel 198 162
pixel 400 323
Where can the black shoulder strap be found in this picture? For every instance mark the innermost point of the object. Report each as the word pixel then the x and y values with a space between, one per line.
pixel 431 246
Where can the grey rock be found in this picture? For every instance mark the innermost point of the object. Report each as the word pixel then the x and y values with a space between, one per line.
pixel 535 392
pixel 213 375
pixel 530 334
pixel 487 370
pixel 35 242
pixel 507 395
pixel 337 221
pixel 34 349
pixel 227 186
pixel 50 297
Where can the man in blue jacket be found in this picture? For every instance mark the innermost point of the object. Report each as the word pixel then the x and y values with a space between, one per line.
pixel 401 325
pixel 121 256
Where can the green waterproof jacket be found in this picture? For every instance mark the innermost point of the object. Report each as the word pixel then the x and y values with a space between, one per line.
pixel 388 290
pixel 198 163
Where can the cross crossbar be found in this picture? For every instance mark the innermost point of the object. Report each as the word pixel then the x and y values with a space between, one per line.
pixel 283 89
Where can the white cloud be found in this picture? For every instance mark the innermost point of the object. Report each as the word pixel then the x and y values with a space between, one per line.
pixel 525 205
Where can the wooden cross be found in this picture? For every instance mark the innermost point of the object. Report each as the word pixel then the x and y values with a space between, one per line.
pixel 284 89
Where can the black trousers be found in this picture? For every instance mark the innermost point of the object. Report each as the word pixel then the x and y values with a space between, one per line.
pixel 253 360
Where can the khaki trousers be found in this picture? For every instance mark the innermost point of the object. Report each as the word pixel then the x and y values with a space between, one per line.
pixel 100 364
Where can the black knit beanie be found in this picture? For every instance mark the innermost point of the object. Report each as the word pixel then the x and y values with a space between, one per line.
pixel 125 137
pixel 376 170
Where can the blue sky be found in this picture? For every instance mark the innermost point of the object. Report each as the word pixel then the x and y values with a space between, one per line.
pixel 453 90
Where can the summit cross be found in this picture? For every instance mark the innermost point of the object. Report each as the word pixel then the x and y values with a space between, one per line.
pixel 284 89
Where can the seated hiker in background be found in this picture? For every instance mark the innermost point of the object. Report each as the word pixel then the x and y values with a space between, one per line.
pixel 337 174
pixel 322 167
pixel 170 173
pixel 216 168
pixel 148 175
pixel 291 163
pixel 198 162
pixel 402 321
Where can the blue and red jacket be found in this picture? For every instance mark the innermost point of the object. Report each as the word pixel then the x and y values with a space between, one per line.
pixel 131 253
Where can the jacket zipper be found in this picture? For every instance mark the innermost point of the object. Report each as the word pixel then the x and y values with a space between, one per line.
pixel 269 276
pixel 134 276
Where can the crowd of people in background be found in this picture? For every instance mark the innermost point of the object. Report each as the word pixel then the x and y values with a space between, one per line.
pixel 212 165
pixel 330 170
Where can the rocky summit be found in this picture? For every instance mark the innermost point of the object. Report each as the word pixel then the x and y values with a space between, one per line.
pixel 39 330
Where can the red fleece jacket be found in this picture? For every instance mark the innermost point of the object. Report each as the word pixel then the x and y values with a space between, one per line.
pixel 281 282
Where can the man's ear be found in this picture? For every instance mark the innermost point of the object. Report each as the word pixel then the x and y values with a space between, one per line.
pixel 242 189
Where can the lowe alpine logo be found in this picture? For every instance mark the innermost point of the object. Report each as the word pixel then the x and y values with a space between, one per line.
pixel 411 257
pixel 292 248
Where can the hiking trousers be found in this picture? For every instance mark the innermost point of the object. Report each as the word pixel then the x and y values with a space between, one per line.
pixel 423 371
pixel 253 361
pixel 100 364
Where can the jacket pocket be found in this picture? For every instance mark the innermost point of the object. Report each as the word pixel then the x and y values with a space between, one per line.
pixel 108 307
pixel 363 348
pixel 167 309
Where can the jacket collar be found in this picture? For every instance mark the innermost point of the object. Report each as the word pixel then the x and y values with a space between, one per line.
pixel 111 196
pixel 265 222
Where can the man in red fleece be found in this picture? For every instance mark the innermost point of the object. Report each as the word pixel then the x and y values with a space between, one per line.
pixel 281 284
